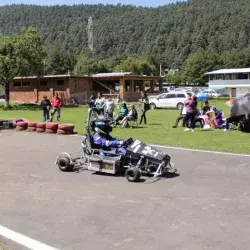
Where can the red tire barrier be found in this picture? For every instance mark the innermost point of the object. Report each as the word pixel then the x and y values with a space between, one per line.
pixel 41 125
pixel 22 124
pixel 18 128
pixel 31 129
pixel 52 125
pixel 62 132
pixel 50 131
pixel 19 120
pixel 40 130
pixel 66 127
pixel 32 124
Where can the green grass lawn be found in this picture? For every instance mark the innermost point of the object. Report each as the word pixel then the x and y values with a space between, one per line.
pixel 158 131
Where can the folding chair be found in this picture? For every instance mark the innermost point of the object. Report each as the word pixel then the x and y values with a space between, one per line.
pixel 132 123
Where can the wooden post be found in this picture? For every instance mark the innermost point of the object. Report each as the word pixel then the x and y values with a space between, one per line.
pixel 160 85
pixel 122 88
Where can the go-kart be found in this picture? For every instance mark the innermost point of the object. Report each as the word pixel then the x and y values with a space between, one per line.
pixel 139 159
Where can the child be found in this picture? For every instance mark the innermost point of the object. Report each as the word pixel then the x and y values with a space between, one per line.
pixel 181 117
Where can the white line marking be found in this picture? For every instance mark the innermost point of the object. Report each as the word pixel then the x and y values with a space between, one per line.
pixel 201 151
pixel 23 240
pixel 190 149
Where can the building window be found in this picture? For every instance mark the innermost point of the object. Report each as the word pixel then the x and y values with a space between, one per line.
pixel 60 82
pixel 242 76
pixel 43 83
pixel 25 84
pixel 228 77
pixel 21 84
pixel 219 77
pixel 17 84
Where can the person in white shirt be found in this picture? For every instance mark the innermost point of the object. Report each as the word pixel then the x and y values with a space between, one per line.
pixel 109 108
pixel 100 103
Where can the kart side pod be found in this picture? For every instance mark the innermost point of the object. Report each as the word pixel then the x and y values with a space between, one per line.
pixel 107 165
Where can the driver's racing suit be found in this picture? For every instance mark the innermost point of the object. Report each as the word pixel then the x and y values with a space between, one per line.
pixel 105 142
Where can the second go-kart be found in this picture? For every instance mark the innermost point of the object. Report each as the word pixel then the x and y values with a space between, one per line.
pixel 135 159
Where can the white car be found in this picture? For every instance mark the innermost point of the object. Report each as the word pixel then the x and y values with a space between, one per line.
pixel 211 92
pixel 168 100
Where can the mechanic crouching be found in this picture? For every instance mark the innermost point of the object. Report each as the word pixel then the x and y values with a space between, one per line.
pixel 103 140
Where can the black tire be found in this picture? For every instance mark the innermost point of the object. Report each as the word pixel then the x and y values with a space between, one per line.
pixel 133 174
pixel 64 164
pixel 180 105
pixel 152 106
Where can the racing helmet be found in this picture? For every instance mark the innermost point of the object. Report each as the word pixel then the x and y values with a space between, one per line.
pixel 102 125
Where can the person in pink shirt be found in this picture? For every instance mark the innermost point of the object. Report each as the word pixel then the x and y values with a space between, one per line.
pixel 56 103
pixel 191 110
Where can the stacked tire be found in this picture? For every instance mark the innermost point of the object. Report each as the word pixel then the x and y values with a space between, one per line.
pixel 51 127
pixel 21 126
pixel 40 127
pixel 32 126
pixel 65 129
pixel 14 122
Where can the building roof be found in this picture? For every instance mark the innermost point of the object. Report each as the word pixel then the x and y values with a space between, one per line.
pixel 34 77
pixel 112 74
pixel 129 75
pixel 229 71
pixel 215 86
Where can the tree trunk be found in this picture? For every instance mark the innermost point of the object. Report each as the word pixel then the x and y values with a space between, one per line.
pixel 7 94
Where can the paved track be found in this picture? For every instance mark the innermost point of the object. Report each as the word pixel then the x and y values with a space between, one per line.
pixel 206 207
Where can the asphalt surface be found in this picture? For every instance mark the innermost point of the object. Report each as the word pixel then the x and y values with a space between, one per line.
pixel 206 207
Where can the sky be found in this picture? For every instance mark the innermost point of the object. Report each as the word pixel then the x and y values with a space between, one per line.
pixel 148 3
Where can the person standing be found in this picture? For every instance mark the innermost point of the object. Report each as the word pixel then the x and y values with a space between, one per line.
pixel 99 104
pixel 91 103
pixel 56 103
pixel 45 105
pixel 191 109
pixel 145 108
pixel 109 108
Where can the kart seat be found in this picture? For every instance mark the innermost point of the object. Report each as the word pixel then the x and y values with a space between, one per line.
pixel 90 145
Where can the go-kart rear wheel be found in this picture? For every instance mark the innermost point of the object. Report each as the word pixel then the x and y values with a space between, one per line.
pixel 64 163
pixel 133 174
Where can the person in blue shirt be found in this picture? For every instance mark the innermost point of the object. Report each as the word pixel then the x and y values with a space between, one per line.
pixel 91 101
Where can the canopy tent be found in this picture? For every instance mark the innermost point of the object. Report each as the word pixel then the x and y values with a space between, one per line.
pixel 202 96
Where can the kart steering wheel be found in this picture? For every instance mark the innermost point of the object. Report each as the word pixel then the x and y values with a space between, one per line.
pixel 127 142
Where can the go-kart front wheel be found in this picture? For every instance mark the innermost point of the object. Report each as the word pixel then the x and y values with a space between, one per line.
pixel 64 163
pixel 133 174
pixel 170 169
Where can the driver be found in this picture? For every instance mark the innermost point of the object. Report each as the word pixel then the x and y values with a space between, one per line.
pixel 102 139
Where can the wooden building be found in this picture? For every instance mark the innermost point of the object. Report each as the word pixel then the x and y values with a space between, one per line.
pixel 127 86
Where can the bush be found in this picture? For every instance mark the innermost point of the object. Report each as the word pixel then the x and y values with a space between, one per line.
pixel 27 106
pixel 220 98
pixel 20 106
